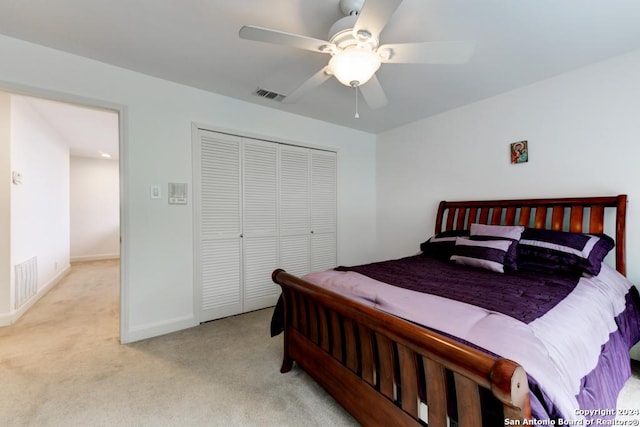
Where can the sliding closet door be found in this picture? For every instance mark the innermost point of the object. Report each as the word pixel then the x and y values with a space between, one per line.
pixel 220 225
pixel 260 223
pixel 294 210
pixel 323 210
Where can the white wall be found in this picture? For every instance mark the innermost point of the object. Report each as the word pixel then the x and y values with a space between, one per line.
pixel 40 204
pixel 5 202
pixel 94 209
pixel 583 129
pixel 158 243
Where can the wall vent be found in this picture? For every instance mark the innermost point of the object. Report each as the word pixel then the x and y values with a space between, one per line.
pixel 269 95
pixel 26 283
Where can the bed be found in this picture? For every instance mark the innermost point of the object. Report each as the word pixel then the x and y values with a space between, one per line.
pixel 412 356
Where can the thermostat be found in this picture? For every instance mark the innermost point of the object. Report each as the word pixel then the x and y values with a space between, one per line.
pixel 177 193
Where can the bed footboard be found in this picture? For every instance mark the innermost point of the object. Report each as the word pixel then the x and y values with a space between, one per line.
pixel 383 369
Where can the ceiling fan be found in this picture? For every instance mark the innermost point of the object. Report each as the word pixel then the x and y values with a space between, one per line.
pixel 356 53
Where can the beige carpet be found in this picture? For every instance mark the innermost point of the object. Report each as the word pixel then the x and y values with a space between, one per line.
pixel 61 365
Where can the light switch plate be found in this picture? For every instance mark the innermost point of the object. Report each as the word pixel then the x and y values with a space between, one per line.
pixel 155 192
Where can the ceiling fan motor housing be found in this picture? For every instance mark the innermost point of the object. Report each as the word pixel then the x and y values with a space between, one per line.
pixel 341 33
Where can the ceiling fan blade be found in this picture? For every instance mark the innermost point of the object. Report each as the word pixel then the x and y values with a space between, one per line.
pixel 267 35
pixel 374 16
pixel 313 82
pixel 455 52
pixel 373 93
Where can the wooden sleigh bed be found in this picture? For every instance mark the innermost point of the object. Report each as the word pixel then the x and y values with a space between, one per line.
pixel 385 370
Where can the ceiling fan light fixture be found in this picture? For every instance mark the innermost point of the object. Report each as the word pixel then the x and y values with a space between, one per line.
pixel 354 66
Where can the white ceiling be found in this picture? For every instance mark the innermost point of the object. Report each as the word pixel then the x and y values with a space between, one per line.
pixel 196 43
pixel 88 132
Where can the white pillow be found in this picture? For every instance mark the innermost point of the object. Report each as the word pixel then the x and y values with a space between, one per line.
pixel 503 231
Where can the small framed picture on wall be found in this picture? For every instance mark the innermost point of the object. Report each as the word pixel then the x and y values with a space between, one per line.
pixel 519 152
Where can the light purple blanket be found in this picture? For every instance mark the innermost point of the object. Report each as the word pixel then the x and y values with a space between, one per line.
pixel 558 346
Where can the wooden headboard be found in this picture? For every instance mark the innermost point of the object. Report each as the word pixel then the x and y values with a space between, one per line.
pixel 576 214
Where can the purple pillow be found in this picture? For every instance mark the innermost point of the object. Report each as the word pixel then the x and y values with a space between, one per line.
pixel 500 232
pixel 441 245
pixel 563 251
pixel 487 254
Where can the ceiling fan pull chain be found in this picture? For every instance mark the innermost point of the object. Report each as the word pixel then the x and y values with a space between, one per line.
pixel 357 115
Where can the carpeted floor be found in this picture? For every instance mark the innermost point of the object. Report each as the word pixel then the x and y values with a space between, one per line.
pixel 61 365
pixel 629 399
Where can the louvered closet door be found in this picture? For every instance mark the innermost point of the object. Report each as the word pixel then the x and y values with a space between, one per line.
pixel 323 210
pixel 220 225
pixel 294 210
pixel 260 223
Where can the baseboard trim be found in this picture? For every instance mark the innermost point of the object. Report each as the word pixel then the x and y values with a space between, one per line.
pixel 13 316
pixel 86 258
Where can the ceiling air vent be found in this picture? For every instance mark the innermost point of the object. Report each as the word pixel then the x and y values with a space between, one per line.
pixel 269 95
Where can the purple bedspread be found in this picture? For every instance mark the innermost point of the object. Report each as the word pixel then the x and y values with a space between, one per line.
pixel 601 386
pixel 525 296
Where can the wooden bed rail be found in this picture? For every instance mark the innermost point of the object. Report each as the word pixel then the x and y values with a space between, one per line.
pixel 576 214
pixel 381 368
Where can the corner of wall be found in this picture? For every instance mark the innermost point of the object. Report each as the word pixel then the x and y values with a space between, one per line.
pixel 12 316
pixel 155 329
pixel 5 205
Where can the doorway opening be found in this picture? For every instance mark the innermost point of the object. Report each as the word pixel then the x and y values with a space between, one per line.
pixel 65 195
